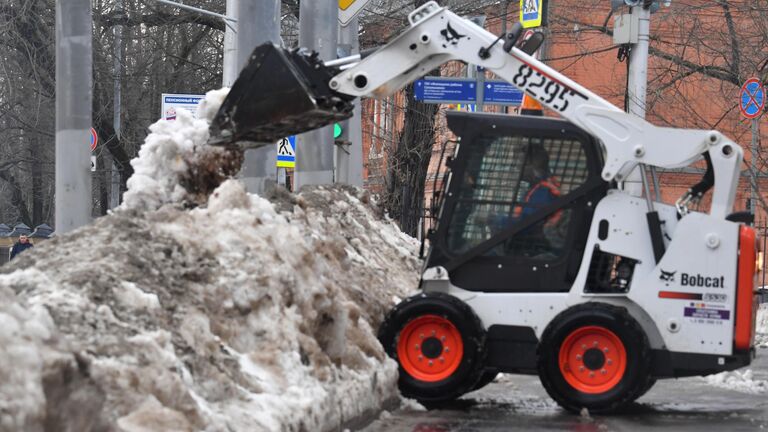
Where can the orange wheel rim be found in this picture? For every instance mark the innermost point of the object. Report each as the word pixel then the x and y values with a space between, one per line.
pixel 592 359
pixel 430 348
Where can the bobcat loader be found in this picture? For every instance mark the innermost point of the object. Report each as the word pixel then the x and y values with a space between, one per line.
pixel 596 290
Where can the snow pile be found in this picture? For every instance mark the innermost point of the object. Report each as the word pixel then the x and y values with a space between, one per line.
pixel 176 165
pixel 761 336
pixel 240 314
pixel 741 381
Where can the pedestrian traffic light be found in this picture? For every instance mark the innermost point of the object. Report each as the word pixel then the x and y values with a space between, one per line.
pixel 337 130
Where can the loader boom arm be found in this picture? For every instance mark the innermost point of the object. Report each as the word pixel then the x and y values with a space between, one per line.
pixel 437 35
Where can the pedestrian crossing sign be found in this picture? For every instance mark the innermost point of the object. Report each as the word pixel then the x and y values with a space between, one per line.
pixel 531 13
pixel 286 152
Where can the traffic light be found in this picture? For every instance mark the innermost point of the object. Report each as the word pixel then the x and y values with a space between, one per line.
pixel 337 130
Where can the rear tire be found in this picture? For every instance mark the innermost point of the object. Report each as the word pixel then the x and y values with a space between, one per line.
pixel 439 344
pixel 594 356
pixel 648 386
pixel 486 378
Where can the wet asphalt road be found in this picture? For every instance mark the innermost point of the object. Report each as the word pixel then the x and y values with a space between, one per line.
pixel 516 403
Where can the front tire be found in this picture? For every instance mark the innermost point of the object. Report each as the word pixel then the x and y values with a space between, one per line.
pixel 439 344
pixel 594 356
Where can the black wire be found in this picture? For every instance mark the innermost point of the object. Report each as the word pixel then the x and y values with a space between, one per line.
pixel 623 56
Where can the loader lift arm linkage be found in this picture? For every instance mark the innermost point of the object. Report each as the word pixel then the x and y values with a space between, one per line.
pixel 437 35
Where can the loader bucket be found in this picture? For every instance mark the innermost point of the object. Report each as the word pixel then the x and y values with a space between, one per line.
pixel 279 93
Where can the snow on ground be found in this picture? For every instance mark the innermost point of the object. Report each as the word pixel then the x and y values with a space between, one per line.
pixel 743 380
pixel 761 337
pixel 242 314
pixel 738 380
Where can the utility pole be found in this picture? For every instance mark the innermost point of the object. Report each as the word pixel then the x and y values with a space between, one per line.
pixel 318 22
pixel 472 71
pixel 753 165
pixel 73 114
pixel 349 158
pixel 638 84
pixel 229 67
pixel 258 23
pixel 117 70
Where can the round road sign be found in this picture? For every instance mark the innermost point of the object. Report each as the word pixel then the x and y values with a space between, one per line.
pixel 94 139
pixel 752 98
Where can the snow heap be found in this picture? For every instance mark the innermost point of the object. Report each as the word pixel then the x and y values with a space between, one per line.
pixel 738 380
pixel 761 336
pixel 743 380
pixel 176 165
pixel 241 314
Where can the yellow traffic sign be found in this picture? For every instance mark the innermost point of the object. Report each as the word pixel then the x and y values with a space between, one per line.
pixel 348 9
pixel 344 4
pixel 531 13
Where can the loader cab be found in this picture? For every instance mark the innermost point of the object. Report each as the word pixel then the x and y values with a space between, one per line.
pixel 518 204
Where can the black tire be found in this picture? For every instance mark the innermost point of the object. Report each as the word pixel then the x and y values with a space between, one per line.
pixel 486 378
pixel 648 386
pixel 576 321
pixel 470 330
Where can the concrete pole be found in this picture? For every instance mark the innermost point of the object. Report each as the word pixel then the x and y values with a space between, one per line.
pixel 753 165
pixel 229 66
pixel 318 23
pixel 638 84
pixel 117 70
pixel 349 159
pixel 73 114
pixel 257 22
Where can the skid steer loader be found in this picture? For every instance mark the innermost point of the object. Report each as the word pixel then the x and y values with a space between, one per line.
pixel 539 262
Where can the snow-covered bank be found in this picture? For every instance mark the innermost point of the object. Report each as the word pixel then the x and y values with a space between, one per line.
pixel 238 315
pixel 738 380
pixel 761 336
pixel 743 380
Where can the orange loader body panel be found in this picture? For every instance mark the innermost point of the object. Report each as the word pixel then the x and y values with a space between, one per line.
pixel 746 298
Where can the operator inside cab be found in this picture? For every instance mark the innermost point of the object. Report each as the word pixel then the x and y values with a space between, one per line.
pixel 544 188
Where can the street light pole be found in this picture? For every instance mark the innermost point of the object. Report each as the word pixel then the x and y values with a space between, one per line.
pixel 349 158
pixel 318 23
pixel 229 67
pixel 73 114
pixel 117 69
pixel 638 87
pixel 258 23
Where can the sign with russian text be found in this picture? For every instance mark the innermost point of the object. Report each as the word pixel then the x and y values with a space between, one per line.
pixel 446 90
pixel 172 103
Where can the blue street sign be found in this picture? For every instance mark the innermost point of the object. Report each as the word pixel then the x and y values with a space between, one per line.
pixel 456 90
pixel 752 98
pixel 286 152
pixel 503 93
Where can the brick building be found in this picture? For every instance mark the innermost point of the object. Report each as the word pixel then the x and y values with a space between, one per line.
pixel 580 47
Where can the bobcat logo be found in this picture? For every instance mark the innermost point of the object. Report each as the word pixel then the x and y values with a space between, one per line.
pixel 667 276
pixel 451 36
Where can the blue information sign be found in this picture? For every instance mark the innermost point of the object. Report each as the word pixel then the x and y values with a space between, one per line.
pixel 501 92
pixel 446 90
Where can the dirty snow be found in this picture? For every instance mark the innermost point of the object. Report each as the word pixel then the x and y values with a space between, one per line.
pixel 743 380
pixel 241 314
pixel 175 164
pixel 761 336
pixel 738 380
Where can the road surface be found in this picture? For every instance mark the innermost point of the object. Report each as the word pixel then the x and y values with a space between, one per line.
pixel 517 403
